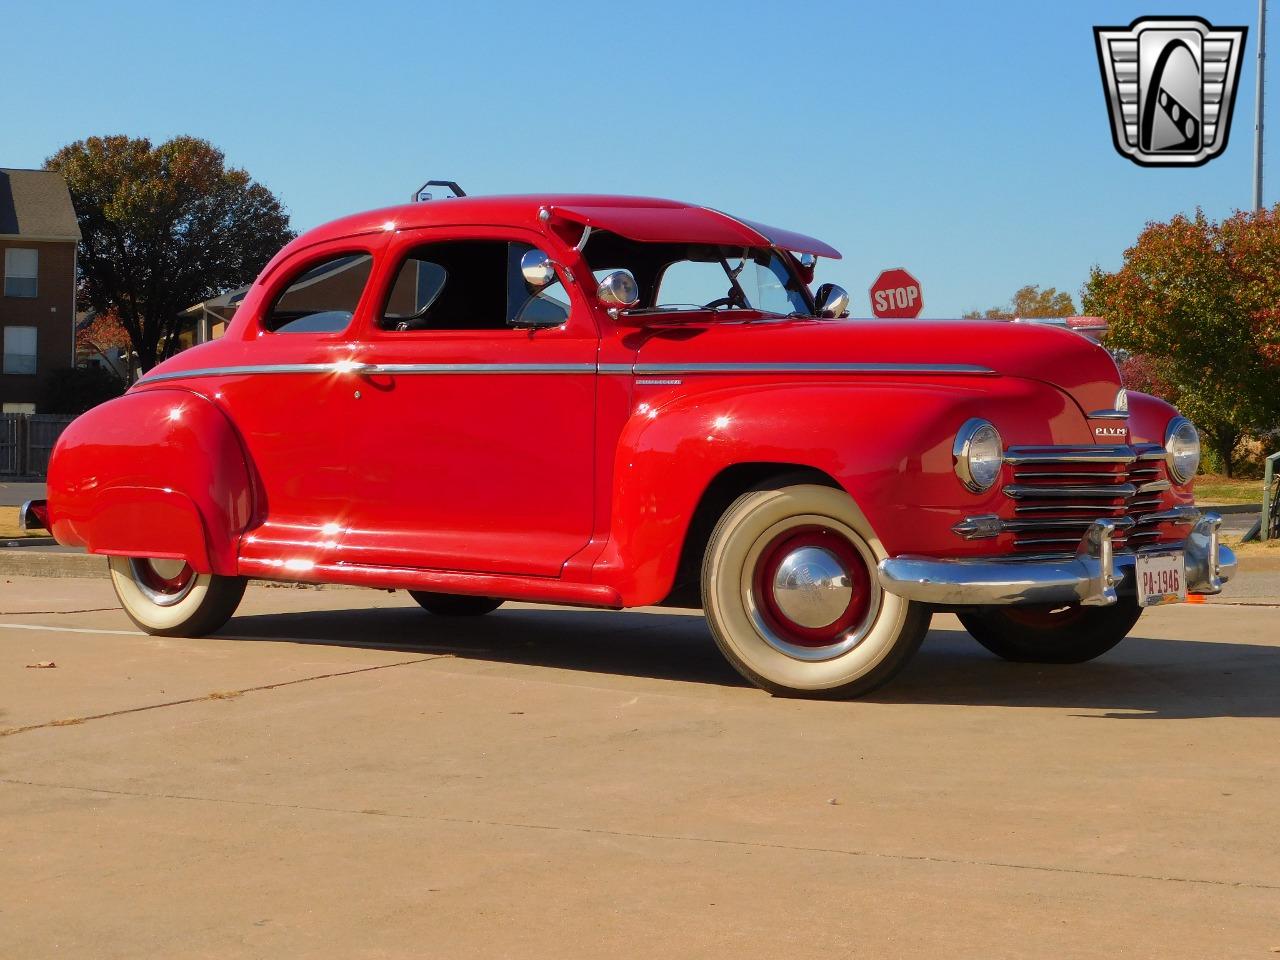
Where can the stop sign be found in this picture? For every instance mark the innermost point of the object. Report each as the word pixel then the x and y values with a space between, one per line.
pixel 896 295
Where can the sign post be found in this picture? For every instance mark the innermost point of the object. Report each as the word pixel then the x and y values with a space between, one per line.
pixel 896 296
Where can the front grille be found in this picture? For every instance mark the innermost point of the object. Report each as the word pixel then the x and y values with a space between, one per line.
pixel 1059 491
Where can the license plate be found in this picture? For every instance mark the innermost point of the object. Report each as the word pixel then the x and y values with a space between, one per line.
pixel 1161 579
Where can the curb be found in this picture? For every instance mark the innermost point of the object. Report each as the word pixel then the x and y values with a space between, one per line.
pixel 42 563
pixel 1225 508
pixel 39 563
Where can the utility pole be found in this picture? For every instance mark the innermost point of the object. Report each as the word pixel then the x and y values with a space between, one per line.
pixel 1257 122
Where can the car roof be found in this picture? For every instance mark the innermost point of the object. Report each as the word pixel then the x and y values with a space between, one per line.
pixel 646 219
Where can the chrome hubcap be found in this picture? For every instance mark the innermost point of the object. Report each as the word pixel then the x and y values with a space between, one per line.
pixel 812 588
pixel 163 582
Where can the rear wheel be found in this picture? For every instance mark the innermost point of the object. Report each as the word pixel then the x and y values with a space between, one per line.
pixel 790 592
pixel 1043 634
pixel 168 598
pixel 455 604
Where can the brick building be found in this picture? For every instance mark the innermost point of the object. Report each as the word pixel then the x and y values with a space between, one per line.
pixel 38 237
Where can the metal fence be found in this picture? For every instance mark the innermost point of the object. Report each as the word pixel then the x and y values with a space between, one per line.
pixel 10 443
pixel 26 442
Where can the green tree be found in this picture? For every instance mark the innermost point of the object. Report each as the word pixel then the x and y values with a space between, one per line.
pixel 164 227
pixel 1198 301
pixel 1030 301
pixel 76 389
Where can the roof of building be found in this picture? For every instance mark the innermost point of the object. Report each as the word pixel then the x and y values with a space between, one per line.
pixel 36 205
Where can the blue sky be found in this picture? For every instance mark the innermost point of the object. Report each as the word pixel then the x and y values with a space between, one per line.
pixel 968 142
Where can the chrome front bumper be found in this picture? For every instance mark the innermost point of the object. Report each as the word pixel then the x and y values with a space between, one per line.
pixel 1095 576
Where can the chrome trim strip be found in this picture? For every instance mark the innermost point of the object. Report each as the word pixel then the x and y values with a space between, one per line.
pixel 1109 415
pixel 1183 516
pixel 639 369
pixel 953 369
pixel 363 369
pixel 238 371
pixel 1021 491
pixel 414 369
pixel 1017 455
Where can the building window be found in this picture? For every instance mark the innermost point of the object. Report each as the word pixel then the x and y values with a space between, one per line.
pixel 19 350
pixel 18 408
pixel 21 268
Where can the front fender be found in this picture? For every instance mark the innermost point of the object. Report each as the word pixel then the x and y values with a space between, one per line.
pixel 158 473
pixel 1148 417
pixel 888 444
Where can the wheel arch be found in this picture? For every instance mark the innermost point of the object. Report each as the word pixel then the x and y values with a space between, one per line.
pixel 723 489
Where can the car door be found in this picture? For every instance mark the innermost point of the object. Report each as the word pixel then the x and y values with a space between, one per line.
pixel 474 449
pixel 283 385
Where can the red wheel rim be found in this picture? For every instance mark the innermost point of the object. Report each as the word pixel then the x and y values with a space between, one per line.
pixel 845 553
pixel 164 585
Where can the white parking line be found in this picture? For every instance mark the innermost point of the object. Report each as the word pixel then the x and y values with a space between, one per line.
pixel 362 644
pixel 39 626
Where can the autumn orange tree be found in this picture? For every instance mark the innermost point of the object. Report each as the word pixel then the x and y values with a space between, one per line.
pixel 164 227
pixel 102 334
pixel 1198 302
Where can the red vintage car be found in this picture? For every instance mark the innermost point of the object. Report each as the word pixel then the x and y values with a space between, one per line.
pixel 612 402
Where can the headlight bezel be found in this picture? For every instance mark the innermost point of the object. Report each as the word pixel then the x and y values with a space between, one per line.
pixel 973 434
pixel 1180 425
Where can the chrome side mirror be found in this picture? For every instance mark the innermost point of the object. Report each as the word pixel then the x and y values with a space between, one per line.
pixel 831 301
pixel 618 291
pixel 537 269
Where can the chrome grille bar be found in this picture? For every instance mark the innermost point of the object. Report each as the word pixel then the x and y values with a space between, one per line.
pixel 1059 491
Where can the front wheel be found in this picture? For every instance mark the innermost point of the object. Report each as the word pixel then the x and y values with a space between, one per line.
pixel 167 598
pixel 1065 634
pixel 790 592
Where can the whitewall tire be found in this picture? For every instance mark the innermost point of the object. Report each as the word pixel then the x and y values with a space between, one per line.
pixel 790 592
pixel 168 598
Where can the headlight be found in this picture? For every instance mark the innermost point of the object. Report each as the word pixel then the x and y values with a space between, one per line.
pixel 1181 449
pixel 979 455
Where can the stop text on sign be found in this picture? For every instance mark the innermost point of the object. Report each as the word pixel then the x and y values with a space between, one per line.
pixel 900 297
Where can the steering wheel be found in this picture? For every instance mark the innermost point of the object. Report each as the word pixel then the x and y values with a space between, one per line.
pixel 722 302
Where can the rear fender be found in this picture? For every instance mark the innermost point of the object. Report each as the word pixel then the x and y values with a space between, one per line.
pixel 156 473
pixel 888 444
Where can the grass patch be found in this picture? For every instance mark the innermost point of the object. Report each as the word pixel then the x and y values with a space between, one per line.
pixel 9 529
pixel 1255 556
pixel 1216 489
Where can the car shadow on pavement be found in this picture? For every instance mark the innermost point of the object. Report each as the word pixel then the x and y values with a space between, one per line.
pixel 1141 679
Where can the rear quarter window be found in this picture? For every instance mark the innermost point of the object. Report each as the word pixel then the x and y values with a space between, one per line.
pixel 322 298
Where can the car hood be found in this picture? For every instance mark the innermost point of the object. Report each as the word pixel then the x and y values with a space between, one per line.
pixel 1074 364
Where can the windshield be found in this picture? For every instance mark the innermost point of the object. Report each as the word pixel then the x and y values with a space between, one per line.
pixel 682 277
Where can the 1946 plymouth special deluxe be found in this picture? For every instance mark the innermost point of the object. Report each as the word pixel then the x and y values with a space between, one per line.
pixel 612 401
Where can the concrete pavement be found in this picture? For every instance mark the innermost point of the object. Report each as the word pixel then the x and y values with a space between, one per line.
pixel 339 774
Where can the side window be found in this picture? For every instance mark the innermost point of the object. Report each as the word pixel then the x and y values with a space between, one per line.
pixel 323 298
pixel 468 285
